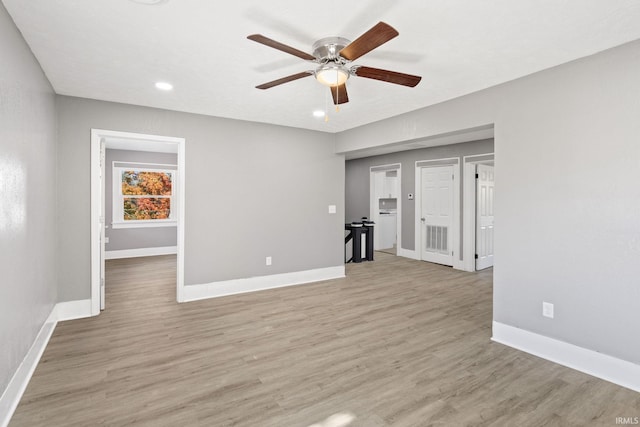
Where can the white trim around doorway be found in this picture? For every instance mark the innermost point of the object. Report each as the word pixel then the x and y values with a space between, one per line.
pixel 97 198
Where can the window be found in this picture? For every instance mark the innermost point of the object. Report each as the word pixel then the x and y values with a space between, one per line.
pixel 142 196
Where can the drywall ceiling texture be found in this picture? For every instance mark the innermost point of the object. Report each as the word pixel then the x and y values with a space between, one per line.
pixel 117 50
pixel 27 199
pixel 252 190
pixel 567 198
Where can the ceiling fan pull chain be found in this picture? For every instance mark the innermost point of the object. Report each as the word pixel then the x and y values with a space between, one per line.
pixel 326 107
pixel 337 92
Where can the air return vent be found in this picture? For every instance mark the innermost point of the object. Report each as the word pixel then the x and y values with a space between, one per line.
pixel 437 239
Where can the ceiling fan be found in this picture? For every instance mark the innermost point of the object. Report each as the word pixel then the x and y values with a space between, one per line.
pixel 334 56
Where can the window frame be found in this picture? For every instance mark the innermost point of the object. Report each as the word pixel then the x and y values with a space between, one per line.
pixel 117 218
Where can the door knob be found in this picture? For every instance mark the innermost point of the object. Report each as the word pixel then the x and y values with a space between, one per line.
pixel 422 219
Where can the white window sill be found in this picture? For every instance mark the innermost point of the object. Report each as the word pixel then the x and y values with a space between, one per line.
pixel 144 224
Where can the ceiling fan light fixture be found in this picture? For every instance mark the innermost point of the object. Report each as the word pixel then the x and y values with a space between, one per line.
pixel 332 74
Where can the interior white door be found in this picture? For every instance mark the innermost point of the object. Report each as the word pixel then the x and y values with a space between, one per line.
pixel 437 214
pixel 102 223
pixel 377 193
pixel 484 216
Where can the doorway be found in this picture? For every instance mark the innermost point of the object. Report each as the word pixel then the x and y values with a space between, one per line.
pixel 100 140
pixel 386 207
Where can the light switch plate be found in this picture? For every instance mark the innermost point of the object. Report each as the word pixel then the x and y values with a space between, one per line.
pixel 332 209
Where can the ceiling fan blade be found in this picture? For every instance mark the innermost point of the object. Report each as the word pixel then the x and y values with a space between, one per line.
pixel 376 36
pixel 339 94
pixel 280 46
pixel 387 76
pixel 285 80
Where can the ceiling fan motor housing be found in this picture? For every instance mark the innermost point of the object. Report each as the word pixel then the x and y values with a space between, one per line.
pixel 332 70
pixel 327 49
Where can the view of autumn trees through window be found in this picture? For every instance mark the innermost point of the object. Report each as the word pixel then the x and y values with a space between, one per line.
pixel 137 186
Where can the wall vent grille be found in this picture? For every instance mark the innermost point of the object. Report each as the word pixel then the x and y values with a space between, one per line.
pixel 437 240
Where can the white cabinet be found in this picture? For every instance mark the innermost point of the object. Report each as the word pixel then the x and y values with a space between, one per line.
pixel 386 185
pixel 390 187
pixel 380 185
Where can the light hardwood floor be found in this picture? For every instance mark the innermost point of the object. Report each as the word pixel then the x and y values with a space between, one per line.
pixel 396 343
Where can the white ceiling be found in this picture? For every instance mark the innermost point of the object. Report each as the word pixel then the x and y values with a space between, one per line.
pixel 116 50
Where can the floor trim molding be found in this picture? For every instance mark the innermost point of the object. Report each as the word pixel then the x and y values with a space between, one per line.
pixel 140 252
pixel 70 310
pixel 252 284
pixel 18 384
pixel 408 253
pixel 62 311
pixel 617 371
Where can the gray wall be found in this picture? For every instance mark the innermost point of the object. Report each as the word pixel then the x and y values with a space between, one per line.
pixel 27 198
pixel 135 238
pixel 252 190
pixel 357 180
pixel 567 162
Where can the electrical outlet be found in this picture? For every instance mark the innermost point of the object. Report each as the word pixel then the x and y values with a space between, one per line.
pixel 268 260
pixel 106 240
pixel 547 310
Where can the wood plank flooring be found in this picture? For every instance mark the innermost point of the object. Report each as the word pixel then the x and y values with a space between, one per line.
pixel 396 343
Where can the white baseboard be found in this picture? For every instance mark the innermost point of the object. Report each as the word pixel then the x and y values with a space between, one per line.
pixel 13 393
pixel 617 371
pixel 408 253
pixel 134 253
pixel 70 310
pixel 18 384
pixel 458 265
pixel 251 284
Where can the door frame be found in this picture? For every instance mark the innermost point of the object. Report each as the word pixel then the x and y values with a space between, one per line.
pixel 469 203
pixel 455 230
pixel 98 199
pixel 373 209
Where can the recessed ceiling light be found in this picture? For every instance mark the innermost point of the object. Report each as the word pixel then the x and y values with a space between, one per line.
pixel 318 113
pixel 164 86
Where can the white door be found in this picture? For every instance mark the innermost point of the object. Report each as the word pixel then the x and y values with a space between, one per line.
pixel 484 216
pixel 437 214
pixel 377 194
